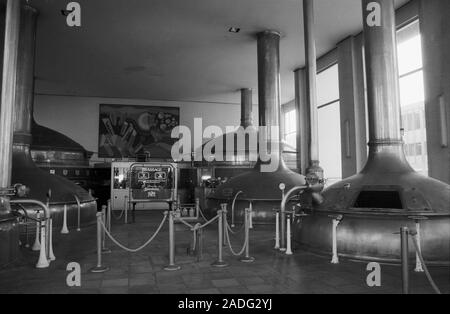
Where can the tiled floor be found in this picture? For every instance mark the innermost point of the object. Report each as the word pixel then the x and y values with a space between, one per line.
pixel 272 272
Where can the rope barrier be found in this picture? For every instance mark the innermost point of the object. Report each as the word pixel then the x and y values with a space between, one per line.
pixel 227 237
pixel 141 247
pixel 184 222
pixel 425 268
pixel 201 213
pixel 230 229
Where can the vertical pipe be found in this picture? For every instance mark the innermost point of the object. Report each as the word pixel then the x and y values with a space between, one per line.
pixel 303 120
pixel 404 233
pixel 288 236
pixel 419 267
pixel 382 75
pixel 37 245
pixel 277 231
pixel 335 258
pixel 64 229
pixel 311 91
pixel 11 48
pixel 269 86
pixel 246 107
pixel 283 230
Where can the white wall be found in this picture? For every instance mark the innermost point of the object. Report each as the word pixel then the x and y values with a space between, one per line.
pixel 77 117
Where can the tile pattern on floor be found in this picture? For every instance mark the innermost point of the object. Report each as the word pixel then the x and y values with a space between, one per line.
pixel 143 272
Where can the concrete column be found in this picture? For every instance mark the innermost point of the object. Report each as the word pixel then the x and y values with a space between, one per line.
pixel 352 106
pixel 435 27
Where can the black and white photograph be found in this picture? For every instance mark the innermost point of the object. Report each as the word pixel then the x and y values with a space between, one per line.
pixel 224 155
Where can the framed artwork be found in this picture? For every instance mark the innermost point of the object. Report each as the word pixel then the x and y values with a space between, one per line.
pixel 126 131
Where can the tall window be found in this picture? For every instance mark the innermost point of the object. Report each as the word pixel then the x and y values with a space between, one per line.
pixel 412 96
pixel 290 128
pixel 329 123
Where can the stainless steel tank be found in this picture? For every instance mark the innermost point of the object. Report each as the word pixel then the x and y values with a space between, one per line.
pixel 24 170
pixel 388 194
pixel 262 189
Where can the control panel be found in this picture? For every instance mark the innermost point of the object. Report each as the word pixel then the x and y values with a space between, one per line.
pixel 153 182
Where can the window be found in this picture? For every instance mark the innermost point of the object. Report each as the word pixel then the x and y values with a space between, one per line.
pixel 412 96
pixel 290 128
pixel 329 123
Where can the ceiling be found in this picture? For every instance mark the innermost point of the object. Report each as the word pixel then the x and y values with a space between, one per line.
pixel 177 49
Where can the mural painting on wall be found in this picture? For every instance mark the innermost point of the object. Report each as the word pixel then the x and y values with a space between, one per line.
pixel 127 131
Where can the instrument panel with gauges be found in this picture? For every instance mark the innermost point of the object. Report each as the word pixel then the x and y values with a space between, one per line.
pixel 153 182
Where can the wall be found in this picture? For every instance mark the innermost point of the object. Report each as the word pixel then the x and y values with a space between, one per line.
pixel 77 117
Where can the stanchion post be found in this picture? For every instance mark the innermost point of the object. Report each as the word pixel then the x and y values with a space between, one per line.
pixel 100 268
pixel 126 209
pixel 283 221
pixel 37 244
pixel 51 255
pixel 199 244
pixel 105 250
pixel 47 229
pixel 336 220
pixel 222 218
pixel 417 220
pixel 64 229
pixel 404 232
pixel 288 236
pixel 43 261
pixel 172 266
pixel 78 212
pixel 277 229
pixel 109 215
pixel 247 258
pixel 250 219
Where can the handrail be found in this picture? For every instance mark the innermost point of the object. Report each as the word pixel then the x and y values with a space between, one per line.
pixel 33 202
pixel 285 199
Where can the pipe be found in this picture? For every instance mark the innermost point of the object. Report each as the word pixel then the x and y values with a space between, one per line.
pixel 311 90
pixel 288 236
pixel 246 107
pixel 382 77
pixel 277 230
pixel 37 244
pixel 269 86
pixel 78 212
pixel 64 229
pixel 404 233
pixel 232 208
pixel 283 214
pixel 9 86
pixel 34 202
